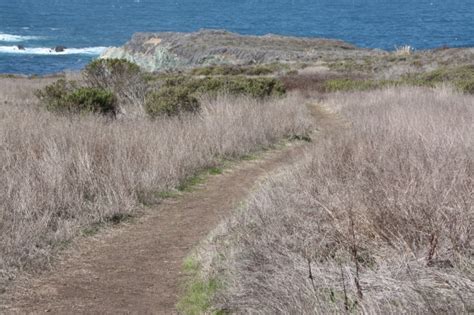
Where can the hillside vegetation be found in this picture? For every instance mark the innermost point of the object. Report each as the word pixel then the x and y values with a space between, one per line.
pixel 85 153
pixel 376 218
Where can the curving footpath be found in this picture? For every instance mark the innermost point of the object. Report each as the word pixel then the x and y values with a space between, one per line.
pixel 137 267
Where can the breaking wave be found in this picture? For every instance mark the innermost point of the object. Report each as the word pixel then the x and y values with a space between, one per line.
pixel 51 51
pixel 17 38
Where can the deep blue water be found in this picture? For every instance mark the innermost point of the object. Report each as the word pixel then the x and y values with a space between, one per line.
pixel 88 25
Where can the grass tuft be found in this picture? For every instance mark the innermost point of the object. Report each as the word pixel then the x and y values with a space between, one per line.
pixel 198 291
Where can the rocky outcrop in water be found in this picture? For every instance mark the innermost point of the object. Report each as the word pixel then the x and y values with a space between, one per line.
pixel 59 49
pixel 169 50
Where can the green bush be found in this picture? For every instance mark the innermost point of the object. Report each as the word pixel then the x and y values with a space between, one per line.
pixel 92 100
pixel 448 74
pixel 122 77
pixel 65 97
pixel 466 86
pixel 343 85
pixel 461 77
pixel 236 70
pixel 255 87
pixel 52 96
pixel 171 101
pixel 175 93
pixel 178 94
pixel 106 73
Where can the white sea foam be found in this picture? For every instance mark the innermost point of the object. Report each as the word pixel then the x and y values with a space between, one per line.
pixel 50 51
pixel 17 38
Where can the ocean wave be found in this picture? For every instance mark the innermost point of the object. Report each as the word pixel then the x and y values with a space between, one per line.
pixel 17 38
pixel 51 51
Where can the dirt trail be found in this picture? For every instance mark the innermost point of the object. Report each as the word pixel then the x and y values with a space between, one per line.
pixel 136 268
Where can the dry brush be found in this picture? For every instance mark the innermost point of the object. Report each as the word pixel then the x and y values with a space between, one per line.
pixel 376 219
pixel 60 173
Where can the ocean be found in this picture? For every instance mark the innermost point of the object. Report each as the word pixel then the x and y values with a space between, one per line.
pixel 86 27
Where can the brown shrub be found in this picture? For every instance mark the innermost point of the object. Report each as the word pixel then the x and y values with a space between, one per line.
pixel 376 219
pixel 60 174
pixel 309 84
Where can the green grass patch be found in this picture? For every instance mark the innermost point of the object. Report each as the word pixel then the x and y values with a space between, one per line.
pixel 198 291
pixel 191 182
pixel 249 157
pixel 215 170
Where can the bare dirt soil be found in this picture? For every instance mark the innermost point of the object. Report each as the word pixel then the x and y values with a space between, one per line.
pixel 137 267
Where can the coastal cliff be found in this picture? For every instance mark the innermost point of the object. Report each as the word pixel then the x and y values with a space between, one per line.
pixel 172 50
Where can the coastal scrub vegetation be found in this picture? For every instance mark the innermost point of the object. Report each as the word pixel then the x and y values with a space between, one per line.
pixel 376 218
pixel 171 101
pixel 462 78
pixel 253 70
pixel 118 86
pixel 236 85
pixel 122 77
pixel 63 174
pixel 392 189
pixel 66 97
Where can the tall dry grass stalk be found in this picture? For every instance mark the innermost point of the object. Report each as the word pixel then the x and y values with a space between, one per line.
pixel 59 174
pixel 404 50
pixel 377 219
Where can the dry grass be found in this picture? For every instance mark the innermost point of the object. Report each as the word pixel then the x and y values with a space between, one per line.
pixel 377 218
pixel 60 174
pixel 15 90
pixel 405 50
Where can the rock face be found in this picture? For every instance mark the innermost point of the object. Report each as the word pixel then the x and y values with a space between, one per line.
pixel 59 48
pixel 168 50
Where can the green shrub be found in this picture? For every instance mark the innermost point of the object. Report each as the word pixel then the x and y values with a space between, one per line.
pixel 65 97
pixel 237 70
pixel 461 77
pixel 170 101
pixel 448 74
pixel 107 72
pixel 52 96
pixel 466 86
pixel 336 85
pixel 91 100
pixel 178 93
pixel 255 87
pixel 120 76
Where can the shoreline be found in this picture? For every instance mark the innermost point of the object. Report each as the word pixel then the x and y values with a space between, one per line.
pixel 156 52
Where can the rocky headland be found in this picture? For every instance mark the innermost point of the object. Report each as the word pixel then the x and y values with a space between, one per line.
pixel 172 50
